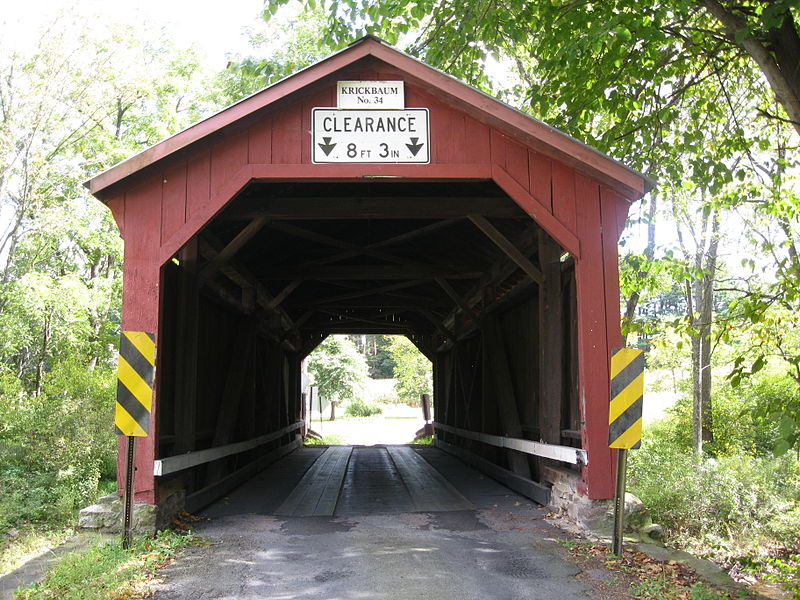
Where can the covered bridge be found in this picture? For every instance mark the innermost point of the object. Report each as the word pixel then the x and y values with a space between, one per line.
pixel 485 236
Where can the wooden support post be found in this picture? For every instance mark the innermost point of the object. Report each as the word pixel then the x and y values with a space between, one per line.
pixel 551 342
pixel 506 399
pixel 185 392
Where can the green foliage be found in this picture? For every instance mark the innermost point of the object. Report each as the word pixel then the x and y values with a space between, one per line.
pixel 785 571
pixel 375 349
pixel 359 408
pixel 738 426
pixel 726 507
pixel 338 369
pixel 57 446
pixel 327 440
pixel 412 370
pixel 106 570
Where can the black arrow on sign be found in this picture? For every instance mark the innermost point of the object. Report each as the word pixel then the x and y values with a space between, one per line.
pixel 414 146
pixel 327 146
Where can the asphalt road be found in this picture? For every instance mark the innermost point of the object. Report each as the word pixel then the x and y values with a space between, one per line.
pixel 377 540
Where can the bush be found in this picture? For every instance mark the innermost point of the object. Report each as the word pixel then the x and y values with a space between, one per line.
pixel 55 448
pixel 728 506
pixel 358 408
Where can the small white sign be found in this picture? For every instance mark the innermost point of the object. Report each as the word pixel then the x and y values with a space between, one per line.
pixel 370 94
pixel 370 136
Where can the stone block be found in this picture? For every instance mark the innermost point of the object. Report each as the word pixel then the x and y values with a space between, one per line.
pixel 106 517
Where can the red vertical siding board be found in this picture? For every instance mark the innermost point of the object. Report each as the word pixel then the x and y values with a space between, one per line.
pixel 476 142
pixel 610 226
pixel 541 177
pixel 227 157
pixel 173 201
pixel 140 307
pixel 498 149
pixel 593 351
pixel 564 195
pixel 198 185
pixel 446 133
pixel 287 136
pixel 260 142
pixel 517 163
pixel 323 98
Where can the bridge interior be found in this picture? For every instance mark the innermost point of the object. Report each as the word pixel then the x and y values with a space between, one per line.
pixel 350 481
pixel 456 266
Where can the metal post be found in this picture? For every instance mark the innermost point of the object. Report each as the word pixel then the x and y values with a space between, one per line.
pixel 129 469
pixel 619 501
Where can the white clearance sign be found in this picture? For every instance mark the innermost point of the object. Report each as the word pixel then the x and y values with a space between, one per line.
pixel 370 136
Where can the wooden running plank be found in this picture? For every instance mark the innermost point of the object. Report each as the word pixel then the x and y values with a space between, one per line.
pixel 429 490
pixel 318 490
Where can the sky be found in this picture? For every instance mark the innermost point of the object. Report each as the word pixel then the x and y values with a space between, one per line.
pixel 213 28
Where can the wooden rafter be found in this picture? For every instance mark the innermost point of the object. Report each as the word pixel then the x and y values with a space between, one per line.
pixel 507 246
pixel 327 240
pixel 228 252
pixel 499 272
pixel 397 239
pixel 244 279
pixel 456 297
pixel 283 294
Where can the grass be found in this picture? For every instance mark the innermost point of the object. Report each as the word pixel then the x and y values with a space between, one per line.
pixel 30 543
pixel 425 441
pixel 327 440
pixel 106 570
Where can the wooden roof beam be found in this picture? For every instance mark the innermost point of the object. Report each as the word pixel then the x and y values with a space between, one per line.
pixel 231 248
pixel 507 246
pixel 456 297
pixel 372 272
pixel 375 291
pixel 412 207
pixel 327 240
pixel 244 279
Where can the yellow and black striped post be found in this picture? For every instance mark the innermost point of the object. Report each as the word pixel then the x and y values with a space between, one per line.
pixel 624 423
pixel 137 359
pixel 135 376
pixel 627 391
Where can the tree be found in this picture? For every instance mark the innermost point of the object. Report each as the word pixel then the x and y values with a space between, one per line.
pixel 412 370
pixel 338 369
pixel 73 103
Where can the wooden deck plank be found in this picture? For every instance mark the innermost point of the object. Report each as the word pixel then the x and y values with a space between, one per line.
pixel 316 494
pixel 429 490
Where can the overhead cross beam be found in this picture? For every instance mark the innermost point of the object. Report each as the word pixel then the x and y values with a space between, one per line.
pixel 375 207
pixel 397 239
pixel 376 272
pixel 327 240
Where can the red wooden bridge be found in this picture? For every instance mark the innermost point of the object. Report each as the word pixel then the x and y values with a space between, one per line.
pixel 491 242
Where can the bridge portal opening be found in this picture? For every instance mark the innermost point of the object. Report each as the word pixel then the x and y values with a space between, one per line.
pixel 456 268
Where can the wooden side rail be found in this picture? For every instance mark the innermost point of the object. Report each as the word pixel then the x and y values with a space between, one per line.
pixel 165 466
pixel 575 456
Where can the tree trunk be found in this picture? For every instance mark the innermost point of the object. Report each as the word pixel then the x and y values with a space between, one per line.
pixel 777 56
pixel 706 316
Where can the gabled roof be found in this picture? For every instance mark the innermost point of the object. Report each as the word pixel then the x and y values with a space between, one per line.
pixel 533 132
